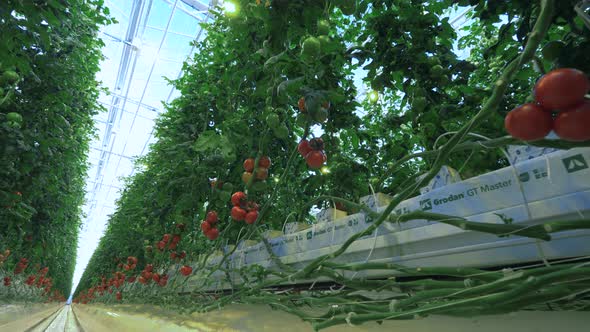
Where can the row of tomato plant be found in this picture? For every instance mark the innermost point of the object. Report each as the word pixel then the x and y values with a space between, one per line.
pixel 278 79
pixel 49 55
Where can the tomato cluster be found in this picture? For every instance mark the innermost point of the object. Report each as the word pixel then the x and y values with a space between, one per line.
pixel 313 152
pixel 243 210
pixel 208 226
pixel 21 266
pixel 314 106
pixel 260 173
pixel 131 263
pixel 39 280
pixel 560 106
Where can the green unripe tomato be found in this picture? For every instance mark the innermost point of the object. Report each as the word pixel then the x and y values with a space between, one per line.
pixel 326 43
pixel 348 7
pixel 321 115
pixel 419 104
pixel 227 187
pixel 311 47
pixel 323 27
pixel 272 120
pixel 281 131
pixel 14 117
pixel 437 70
pixel 301 120
pixel 9 77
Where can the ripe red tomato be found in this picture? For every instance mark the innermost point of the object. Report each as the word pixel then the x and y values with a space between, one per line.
pixel 156 277
pixel 119 296
pixel 212 217
pixel 261 173
pixel 264 162
pixel 561 88
pixel 301 105
pixel 130 280
pixel 249 165
pixel 186 270
pixel 166 237
pixel 528 122
pixel 173 255
pixel 303 148
pixel 205 226
pixel 574 124
pixel 315 159
pixel 176 238
pixel 238 213
pixel 237 198
pixel 212 234
pixel 251 217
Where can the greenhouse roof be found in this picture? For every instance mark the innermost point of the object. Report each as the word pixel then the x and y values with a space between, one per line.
pixel 149 43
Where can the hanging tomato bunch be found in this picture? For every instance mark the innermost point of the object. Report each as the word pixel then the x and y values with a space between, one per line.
pixel 260 172
pixel 560 106
pixel 313 152
pixel 208 226
pixel 243 210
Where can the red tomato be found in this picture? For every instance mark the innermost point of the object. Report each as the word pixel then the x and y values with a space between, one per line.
pixel 156 277
pixel 261 173
pixel 176 238
pixel 166 237
pixel 315 159
pixel 119 296
pixel 251 217
pixel 561 88
pixel 303 148
pixel 264 162
pixel 149 268
pixel 238 213
pixel 574 124
pixel 161 245
pixel 212 217
pixel 173 255
pixel 237 198
pixel 186 270
pixel 249 165
pixel 181 227
pixel 301 104
pixel 528 122
pixel 212 234
pixel 205 226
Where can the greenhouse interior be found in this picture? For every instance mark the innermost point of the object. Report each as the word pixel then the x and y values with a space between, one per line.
pixel 295 165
